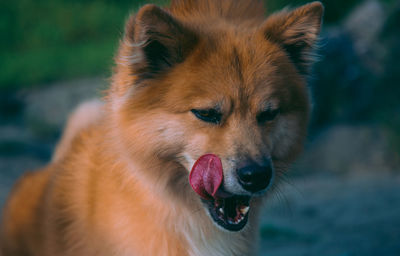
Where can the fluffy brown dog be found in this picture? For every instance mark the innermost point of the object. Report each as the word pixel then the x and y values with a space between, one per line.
pixel 203 79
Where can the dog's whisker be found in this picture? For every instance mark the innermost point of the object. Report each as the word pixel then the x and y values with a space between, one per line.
pixel 284 200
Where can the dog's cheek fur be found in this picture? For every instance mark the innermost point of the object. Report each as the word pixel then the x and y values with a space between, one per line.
pixel 161 138
pixel 287 138
pixel 196 147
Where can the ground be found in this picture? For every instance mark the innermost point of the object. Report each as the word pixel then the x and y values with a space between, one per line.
pixel 335 216
pixel 342 198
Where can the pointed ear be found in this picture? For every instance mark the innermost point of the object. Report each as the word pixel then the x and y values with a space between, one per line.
pixel 156 41
pixel 296 32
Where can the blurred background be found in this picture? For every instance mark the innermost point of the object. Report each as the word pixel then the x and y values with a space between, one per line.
pixel 342 198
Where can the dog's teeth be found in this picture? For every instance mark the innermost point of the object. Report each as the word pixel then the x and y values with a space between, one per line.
pixel 244 209
pixel 221 210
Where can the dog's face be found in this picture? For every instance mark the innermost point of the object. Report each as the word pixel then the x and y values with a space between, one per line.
pixel 236 92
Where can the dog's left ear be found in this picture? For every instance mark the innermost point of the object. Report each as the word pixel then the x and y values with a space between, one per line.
pixel 156 41
pixel 296 32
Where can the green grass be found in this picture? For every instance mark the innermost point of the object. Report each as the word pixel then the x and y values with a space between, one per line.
pixel 57 62
pixel 46 40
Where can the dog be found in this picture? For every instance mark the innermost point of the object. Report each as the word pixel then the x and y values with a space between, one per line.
pixel 207 109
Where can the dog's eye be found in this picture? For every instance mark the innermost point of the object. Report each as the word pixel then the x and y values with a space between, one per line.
pixel 267 115
pixel 208 115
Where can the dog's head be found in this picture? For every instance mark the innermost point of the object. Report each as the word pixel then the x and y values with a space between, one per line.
pixel 187 86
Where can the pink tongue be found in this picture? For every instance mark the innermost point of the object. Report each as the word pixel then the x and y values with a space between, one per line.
pixel 206 176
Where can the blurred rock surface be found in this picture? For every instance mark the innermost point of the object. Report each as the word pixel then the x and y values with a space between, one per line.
pixel 350 150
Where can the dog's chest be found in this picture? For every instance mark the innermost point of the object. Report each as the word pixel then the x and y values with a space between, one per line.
pixel 220 243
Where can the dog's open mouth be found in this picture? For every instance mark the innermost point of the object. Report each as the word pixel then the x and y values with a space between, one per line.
pixel 230 213
pixel 227 210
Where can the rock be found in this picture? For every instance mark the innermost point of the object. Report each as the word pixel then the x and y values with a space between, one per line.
pixel 47 109
pixel 345 149
pixel 365 24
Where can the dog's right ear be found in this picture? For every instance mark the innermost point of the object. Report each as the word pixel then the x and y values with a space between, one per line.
pixel 154 42
pixel 296 32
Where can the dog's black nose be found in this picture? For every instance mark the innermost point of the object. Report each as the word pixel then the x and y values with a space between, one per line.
pixel 254 177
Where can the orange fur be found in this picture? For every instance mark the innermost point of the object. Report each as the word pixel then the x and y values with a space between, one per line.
pixel 118 183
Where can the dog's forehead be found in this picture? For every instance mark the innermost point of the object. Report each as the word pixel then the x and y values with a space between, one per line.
pixel 240 72
pixel 233 70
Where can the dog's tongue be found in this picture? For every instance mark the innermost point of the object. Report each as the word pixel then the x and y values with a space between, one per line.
pixel 206 176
